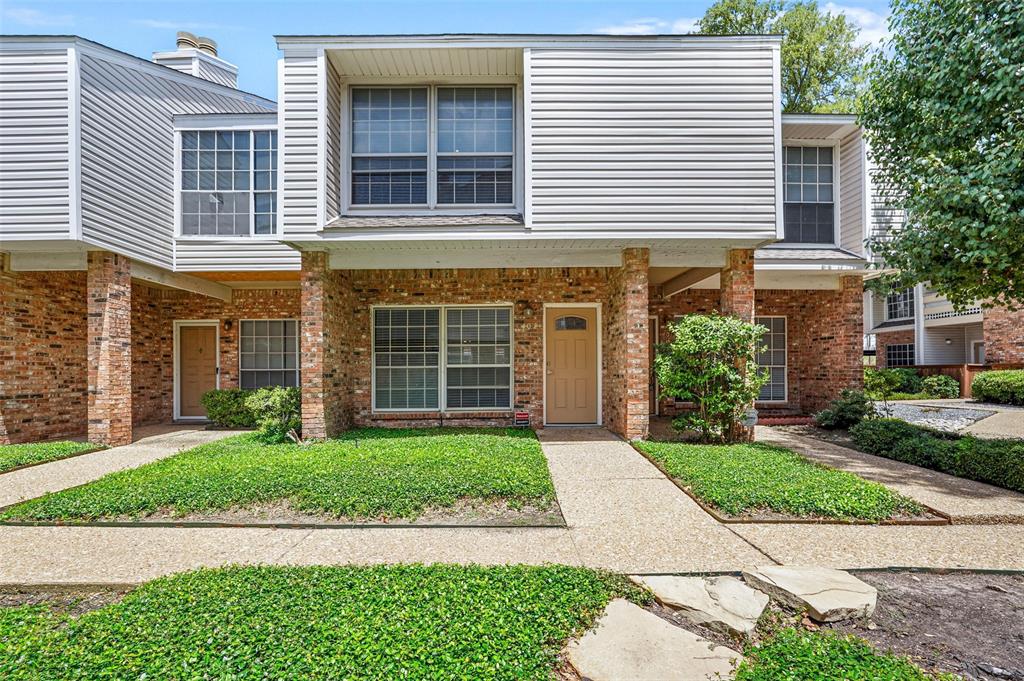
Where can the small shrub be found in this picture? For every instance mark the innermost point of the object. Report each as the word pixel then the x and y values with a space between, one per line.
pixel 1001 387
pixel 941 387
pixel 278 411
pixel 852 407
pixel 227 408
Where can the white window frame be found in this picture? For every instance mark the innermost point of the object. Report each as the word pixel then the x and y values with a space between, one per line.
pixel 432 207
pixel 836 191
pixel 912 301
pixel 785 367
pixel 232 126
pixel 298 348
pixel 442 360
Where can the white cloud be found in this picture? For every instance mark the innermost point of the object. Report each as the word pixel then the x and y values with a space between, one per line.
pixel 180 25
pixel 873 26
pixel 651 26
pixel 33 17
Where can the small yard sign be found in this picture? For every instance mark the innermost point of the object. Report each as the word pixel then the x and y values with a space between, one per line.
pixel 522 418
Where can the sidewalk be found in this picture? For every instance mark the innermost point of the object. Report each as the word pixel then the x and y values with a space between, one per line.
pixel 1007 422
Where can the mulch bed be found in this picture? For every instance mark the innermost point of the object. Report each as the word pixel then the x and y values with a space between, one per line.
pixel 73 600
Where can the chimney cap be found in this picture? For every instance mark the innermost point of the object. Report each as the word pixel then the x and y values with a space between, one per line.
pixel 187 40
pixel 208 45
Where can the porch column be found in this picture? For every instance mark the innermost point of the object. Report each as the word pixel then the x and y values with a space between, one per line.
pixel 325 401
pixel 109 340
pixel 626 396
pixel 737 300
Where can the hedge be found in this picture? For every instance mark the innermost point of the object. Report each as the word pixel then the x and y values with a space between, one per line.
pixel 227 408
pixel 1001 387
pixel 997 462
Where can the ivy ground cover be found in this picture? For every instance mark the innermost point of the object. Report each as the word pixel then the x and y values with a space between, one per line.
pixel 368 473
pixel 15 456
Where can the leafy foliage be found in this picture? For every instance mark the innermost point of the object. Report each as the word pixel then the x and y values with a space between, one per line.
pixel 852 407
pixel 710 362
pixel 13 456
pixel 941 386
pixel 367 473
pixel 824 656
pixel 226 408
pixel 891 384
pixel 385 622
pixel 744 479
pixel 997 462
pixel 278 411
pixel 821 62
pixel 944 115
pixel 1001 387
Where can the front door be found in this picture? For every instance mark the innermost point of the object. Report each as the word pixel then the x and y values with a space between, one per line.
pixel 571 371
pixel 197 368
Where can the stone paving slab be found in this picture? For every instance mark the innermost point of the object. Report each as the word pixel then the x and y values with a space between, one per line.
pixel 976 547
pixel 965 501
pixel 1004 424
pixel 828 595
pixel 154 443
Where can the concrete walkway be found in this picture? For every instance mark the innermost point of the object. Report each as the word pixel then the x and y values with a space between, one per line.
pixel 1007 422
pixel 622 515
pixel 965 501
pixel 151 443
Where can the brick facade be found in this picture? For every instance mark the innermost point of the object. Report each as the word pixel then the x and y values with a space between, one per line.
pixel 883 340
pixel 1004 336
pixel 43 391
pixel 109 348
pixel 626 343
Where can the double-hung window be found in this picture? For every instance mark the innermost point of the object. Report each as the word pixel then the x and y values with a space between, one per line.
pixel 773 358
pixel 269 353
pixel 809 206
pixel 430 358
pixel 900 305
pixel 228 182
pixel 430 147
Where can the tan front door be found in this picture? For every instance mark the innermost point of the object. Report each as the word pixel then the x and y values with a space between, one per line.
pixel 571 371
pixel 197 367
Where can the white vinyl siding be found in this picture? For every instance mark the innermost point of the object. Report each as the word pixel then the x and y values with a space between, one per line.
pixel 852 193
pixel 773 358
pixel 268 353
pixel 332 145
pixel 35 194
pixel 653 139
pixel 299 128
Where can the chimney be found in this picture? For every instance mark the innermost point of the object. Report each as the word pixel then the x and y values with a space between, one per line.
pixel 197 56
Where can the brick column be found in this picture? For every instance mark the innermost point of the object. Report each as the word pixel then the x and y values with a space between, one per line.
pixel 626 338
pixel 109 287
pixel 1003 332
pixel 737 299
pixel 325 357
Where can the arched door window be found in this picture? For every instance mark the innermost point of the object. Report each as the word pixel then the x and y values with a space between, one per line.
pixel 570 323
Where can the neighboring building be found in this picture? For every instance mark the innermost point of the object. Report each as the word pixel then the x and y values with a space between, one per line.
pixel 426 229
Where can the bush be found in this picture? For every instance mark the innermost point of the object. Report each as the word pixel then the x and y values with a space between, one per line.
pixel 1001 387
pixel 998 462
pixel 941 387
pixel 884 384
pixel 227 408
pixel 278 411
pixel 852 407
pixel 711 362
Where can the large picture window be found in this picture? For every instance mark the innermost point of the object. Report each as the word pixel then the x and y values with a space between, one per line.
pixel 773 358
pixel 809 206
pixel 269 353
pixel 228 182
pixel 468 161
pixel 411 372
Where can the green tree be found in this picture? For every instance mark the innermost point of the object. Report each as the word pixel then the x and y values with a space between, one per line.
pixel 944 115
pixel 821 62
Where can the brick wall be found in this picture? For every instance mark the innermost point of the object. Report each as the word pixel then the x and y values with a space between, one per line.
pixel 1004 336
pixel 626 347
pixel 109 348
pixel 883 340
pixel 43 393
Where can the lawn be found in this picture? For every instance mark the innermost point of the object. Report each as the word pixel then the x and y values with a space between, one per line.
pixel 387 622
pixel 13 456
pixel 369 473
pixel 754 479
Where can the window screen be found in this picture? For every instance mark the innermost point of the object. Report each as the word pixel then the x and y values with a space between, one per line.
pixel 228 182
pixel 900 305
pixel 899 355
pixel 773 358
pixel 406 357
pixel 479 358
pixel 474 145
pixel 809 207
pixel 269 353
pixel 389 146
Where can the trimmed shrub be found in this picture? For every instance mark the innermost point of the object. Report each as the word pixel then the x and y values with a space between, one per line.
pixel 227 408
pixel 1001 387
pixel 852 407
pixel 941 387
pixel 278 411
pixel 997 462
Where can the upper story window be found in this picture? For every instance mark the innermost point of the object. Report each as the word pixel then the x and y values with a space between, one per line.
pixel 809 210
pixel 228 182
pixel 432 146
pixel 900 305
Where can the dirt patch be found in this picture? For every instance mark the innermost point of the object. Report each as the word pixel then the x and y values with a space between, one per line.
pixel 968 624
pixel 838 437
pixel 465 512
pixel 71 600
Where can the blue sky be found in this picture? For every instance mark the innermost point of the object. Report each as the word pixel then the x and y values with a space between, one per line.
pixel 244 29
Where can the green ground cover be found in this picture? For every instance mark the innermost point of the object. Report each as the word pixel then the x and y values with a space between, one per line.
pixel 747 479
pixel 386 622
pixel 13 456
pixel 368 473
